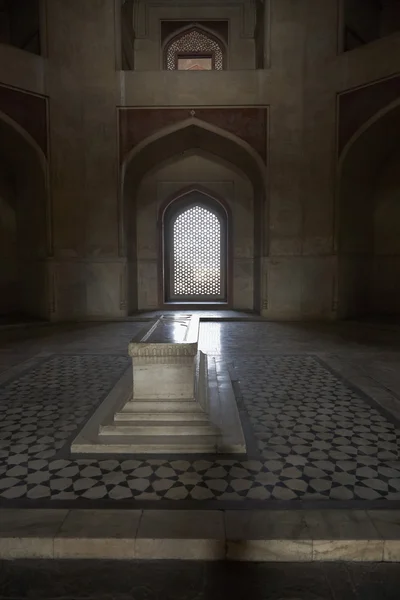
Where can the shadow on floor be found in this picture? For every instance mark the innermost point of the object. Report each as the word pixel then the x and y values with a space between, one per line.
pixel 197 581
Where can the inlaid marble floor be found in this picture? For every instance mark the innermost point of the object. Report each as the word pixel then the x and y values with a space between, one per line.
pixel 320 402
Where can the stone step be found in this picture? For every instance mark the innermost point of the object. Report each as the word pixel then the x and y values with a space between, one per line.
pixel 162 428
pixel 150 444
pixel 273 536
pixel 157 406
pixel 133 417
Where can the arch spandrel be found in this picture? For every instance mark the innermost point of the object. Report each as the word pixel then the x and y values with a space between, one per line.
pixel 189 135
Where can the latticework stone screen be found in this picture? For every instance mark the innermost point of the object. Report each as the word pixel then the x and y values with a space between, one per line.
pixel 194 43
pixel 196 260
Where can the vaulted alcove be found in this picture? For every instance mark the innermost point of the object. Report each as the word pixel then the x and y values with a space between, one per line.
pixel 208 162
pixel 367 225
pixel 23 190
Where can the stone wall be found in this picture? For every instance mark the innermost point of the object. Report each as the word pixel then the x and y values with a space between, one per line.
pixel 86 268
pixel 311 258
pixel 390 18
pixel 8 243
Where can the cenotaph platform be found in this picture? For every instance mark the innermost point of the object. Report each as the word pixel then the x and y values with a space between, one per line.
pixel 165 403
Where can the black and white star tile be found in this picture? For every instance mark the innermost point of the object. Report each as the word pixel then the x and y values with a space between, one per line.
pixel 42 408
pixel 318 438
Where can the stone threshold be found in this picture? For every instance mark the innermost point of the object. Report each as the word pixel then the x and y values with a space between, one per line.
pixel 23 325
pixel 237 535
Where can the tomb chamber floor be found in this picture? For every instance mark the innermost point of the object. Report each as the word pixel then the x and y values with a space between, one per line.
pixel 320 407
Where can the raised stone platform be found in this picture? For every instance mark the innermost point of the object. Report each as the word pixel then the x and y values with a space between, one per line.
pixel 164 404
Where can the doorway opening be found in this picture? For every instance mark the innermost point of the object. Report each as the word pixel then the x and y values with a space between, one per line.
pixel 195 250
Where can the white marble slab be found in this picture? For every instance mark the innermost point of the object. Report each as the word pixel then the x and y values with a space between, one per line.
pixel 98 534
pixel 270 536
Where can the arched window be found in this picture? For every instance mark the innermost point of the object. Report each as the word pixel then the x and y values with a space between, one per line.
pixel 195 250
pixel 194 49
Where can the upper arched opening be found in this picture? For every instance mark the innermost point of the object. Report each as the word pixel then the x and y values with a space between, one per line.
pixel 194 48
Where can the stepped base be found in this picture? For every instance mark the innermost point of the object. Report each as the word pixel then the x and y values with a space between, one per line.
pixel 164 404
pixel 162 417
pixel 160 406
pixel 152 445
pixel 122 425
pixel 164 428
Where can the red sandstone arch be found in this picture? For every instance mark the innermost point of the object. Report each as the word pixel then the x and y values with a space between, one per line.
pixel 190 134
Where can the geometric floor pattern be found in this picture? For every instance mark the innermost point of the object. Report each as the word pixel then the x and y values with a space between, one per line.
pixel 318 439
pixel 316 433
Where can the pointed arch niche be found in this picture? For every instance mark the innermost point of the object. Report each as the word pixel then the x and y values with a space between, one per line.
pixel 194 48
pixel 25 235
pixel 186 162
pixel 195 248
pixel 367 223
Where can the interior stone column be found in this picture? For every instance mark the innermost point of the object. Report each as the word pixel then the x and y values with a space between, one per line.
pixel 299 269
pixel 282 276
pixel 88 273
pixel 319 134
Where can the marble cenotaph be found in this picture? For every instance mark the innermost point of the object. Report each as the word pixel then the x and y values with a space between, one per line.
pixel 165 404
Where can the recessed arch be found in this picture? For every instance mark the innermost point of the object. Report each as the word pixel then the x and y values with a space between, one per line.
pixel 191 136
pixel 386 110
pixel 358 169
pixel 26 165
pixel 26 137
pixel 363 153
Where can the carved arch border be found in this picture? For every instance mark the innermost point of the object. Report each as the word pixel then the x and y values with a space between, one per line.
pixel 134 152
pixel 213 198
pixel 379 114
